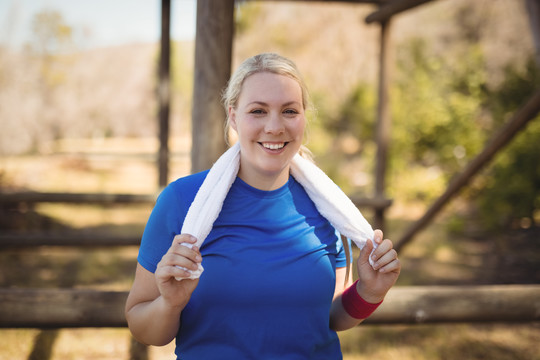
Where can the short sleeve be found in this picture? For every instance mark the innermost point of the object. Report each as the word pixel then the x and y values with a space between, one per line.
pixel 166 219
pixel 164 223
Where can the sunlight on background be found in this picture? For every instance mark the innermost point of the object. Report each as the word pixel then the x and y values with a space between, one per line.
pixel 99 23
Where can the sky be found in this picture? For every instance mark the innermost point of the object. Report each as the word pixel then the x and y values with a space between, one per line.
pixel 103 22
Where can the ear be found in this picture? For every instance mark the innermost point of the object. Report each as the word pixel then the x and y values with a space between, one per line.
pixel 232 118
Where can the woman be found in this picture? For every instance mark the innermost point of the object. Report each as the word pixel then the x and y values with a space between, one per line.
pixel 274 283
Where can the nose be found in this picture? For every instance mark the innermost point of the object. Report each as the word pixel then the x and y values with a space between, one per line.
pixel 275 124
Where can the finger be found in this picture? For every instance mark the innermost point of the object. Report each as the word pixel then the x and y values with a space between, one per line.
pixel 182 242
pixel 377 236
pixel 386 259
pixel 179 260
pixel 385 246
pixel 184 239
pixel 182 251
pixel 167 272
pixel 393 266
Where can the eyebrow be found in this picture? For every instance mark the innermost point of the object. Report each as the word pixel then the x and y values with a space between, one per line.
pixel 262 103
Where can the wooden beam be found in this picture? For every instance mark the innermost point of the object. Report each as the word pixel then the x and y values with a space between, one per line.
pixel 164 93
pixel 528 112
pixel 72 308
pixel 383 119
pixel 453 304
pixel 533 9
pixel 392 8
pixel 14 240
pixel 61 308
pixel 324 1
pixel 76 198
pixel 213 59
pixel 374 203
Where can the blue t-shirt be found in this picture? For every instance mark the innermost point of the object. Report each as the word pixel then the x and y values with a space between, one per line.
pixel 269 274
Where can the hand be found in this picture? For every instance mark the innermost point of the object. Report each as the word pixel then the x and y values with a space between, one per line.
pixel 177 293
pixel 375 281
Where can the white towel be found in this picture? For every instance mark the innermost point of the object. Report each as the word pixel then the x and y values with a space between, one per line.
pixel 328 198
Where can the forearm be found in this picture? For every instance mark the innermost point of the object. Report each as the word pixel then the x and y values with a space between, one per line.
pixel 154 322
pixel 357 302
pixel 339 319
pixel 350 308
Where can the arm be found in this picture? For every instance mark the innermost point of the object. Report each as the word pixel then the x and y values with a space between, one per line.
pixel 374 282
pixel 155 302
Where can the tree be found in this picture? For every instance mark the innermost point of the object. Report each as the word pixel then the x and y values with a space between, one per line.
pixel 51 35
pixel 51 42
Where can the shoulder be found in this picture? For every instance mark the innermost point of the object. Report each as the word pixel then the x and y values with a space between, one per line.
pixel 186 185
pixel 182 191
pixel 191 180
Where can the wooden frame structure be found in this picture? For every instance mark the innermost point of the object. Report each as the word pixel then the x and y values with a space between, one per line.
pixel 213 58
pixel 77 308
pixel 204 155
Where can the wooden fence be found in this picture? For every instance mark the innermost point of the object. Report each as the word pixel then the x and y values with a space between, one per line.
pixel 74 308
pixel 58 308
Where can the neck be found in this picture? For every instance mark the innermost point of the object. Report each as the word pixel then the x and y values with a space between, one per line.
pixel 265 182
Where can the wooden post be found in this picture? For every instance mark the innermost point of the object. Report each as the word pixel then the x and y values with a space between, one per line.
pixel 164 93
pixel 533 9
pixel 137 351
pixel 391 8
pixel 44 341
pixel 528 112
pixel 213 58
pixel 383 121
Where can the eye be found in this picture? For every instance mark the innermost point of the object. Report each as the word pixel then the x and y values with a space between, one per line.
pixel 290 112
pixel 257 111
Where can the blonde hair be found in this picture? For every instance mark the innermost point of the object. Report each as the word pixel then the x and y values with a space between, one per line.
pixel 265 62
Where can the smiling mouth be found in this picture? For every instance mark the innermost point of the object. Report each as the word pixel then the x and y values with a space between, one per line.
pixel 273 146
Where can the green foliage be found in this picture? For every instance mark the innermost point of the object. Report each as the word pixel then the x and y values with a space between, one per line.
pixel 444 110
pixel 245 16
pixel 518 84
pixel 435 106
pixel 437 111
pixel 511 191
pixel 345 145
pixel 356 115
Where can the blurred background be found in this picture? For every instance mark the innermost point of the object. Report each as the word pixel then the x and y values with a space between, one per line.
pixel 78 114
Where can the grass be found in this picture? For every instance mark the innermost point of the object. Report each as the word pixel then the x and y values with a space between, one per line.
pixel 436 257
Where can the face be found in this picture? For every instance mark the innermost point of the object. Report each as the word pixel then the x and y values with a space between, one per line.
pixel 269 119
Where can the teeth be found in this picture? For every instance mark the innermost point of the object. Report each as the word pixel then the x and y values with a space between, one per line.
pixel 273 146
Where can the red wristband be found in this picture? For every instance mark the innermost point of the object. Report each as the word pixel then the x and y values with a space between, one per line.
pixel 355 306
